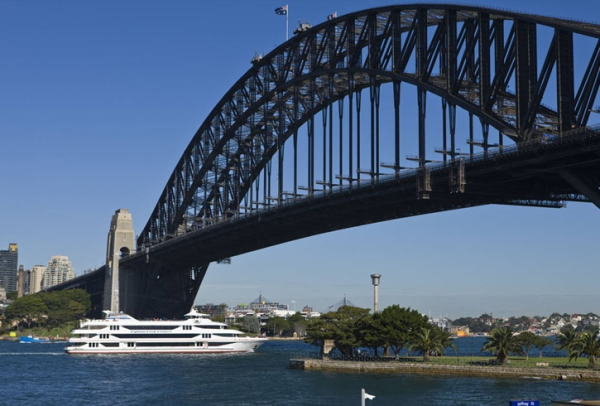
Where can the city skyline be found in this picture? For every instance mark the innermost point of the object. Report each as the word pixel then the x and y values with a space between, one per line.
pixel 100 100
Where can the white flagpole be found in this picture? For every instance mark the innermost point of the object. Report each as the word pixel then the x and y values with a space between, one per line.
pixel 287 15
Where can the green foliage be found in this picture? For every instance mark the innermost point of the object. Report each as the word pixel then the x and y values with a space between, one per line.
pixel 12 295
pixel 585 344
pixel 503 342
pixel 353 327
pixel 427 342
pixel 344 326
pixel 28 309
pixel 298 324
pixel 371 333
pixel 527 340
pixel 565 338
pixel 50 309
pixel 443 337
pixel 250 324
pixel 397 324
pixel 277 325
pixel 542 342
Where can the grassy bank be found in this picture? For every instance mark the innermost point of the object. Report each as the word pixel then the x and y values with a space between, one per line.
pixel 58 332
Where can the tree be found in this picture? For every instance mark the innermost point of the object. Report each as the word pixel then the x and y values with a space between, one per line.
pixel 250 324
pixel 343 326
pixel 462 321
pixel 542 342
pixel 527 340
pixel 398 324
pixel 565 338
pixel 28 308
pixel 298 324
pixel 443 337
pixel 371 334
pixel 318 330
pixel 427 342
pixel 502 342
pixel 277 325
pixel 66 305
pixel 586 344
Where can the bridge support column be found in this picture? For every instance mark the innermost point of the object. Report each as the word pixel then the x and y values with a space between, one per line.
pixel 121 243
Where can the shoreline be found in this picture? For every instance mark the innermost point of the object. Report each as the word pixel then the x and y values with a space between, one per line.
pixel 436 369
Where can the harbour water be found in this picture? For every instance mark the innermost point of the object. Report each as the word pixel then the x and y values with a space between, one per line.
pixel 44 374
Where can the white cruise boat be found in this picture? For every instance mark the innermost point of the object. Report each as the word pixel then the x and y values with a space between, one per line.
pixel 119 333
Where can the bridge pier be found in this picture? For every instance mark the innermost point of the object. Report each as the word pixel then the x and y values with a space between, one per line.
pixel 121 243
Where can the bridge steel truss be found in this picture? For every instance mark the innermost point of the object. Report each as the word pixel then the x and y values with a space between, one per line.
pixel 250 155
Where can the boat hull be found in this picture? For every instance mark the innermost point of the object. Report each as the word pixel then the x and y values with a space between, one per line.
pixel 166 351
pixel 237 347
pixel 30 340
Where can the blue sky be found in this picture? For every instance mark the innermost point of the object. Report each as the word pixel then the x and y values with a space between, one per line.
pixel 98 99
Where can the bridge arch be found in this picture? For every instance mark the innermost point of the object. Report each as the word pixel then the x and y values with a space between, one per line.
pixel 466 55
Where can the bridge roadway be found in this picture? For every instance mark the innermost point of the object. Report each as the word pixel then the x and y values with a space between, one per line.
pixel 534 173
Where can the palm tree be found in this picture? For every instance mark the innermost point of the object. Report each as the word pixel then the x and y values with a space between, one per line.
pixel 444 339
pixel 565 338
pixel 586 343
pixel 427 342
pixel 502 342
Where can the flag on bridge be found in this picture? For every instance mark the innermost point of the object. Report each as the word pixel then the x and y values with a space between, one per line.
pixel 282 11
pixel 332 16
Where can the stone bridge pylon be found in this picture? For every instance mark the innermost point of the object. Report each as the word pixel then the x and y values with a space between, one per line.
pixel 121 243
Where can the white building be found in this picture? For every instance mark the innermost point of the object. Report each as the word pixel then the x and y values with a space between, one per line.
pixel 59 270
pixel 35 278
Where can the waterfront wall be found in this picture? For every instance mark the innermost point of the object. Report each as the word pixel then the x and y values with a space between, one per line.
pixel 434 369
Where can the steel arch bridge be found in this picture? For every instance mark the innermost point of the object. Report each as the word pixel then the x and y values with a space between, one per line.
pixel 293 150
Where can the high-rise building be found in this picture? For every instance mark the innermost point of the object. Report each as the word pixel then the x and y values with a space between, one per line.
pixel 8 267
pixel 35 278
pixel 26 281
pixel 59 270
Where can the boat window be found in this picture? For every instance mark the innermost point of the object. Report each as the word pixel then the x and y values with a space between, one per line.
pixel 154 335
pixel 174 344
pixel 146 327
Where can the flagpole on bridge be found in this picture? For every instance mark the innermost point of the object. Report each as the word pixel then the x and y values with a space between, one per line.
pixel 284 10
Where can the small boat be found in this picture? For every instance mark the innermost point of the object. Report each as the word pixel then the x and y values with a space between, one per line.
pixel 31 339
pixel 119 333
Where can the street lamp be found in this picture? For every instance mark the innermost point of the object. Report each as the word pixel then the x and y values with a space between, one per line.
pixel 375 277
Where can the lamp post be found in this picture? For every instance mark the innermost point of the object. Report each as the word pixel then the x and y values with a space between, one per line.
pixel 375 277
